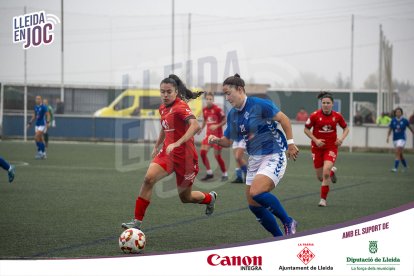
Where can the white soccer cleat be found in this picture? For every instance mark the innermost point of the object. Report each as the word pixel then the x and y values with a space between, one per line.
pixel 333 177
pixel 322 203
pixel 394 170
pixel 211 205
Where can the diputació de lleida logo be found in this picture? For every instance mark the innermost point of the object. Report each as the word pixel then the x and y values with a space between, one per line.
pixel 373 247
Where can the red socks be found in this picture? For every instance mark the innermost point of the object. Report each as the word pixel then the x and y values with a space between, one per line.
pixel 324 192
pixel 220 161
pixel 141 205
pixel 331 173
pixel 206 163
pixel 207 198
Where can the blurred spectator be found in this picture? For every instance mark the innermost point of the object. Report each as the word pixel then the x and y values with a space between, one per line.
pixel 358 120
pixel 60 107
pixel 384 119
pixel 411 119
pixel 369 118
pixel 302 115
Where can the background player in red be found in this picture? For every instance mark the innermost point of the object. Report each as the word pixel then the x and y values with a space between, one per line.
pixel 214 119
pixel 325 142
pixel 178 153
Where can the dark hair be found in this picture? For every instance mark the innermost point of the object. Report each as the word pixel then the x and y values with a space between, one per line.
pixel 400 109
pixel 183 92
pixel 325 94
pixel 234 80
pixel 209 93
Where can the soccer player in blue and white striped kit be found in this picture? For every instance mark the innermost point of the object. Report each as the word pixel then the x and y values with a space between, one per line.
pixel 255 120
pixel 42 118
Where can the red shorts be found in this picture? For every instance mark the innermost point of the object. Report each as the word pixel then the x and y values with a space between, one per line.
pixel 205 142
pixel 319 155
pixel 185 166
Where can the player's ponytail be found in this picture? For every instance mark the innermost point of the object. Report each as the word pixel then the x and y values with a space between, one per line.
pixel 325 94
pixel 234 81
pixel 183 92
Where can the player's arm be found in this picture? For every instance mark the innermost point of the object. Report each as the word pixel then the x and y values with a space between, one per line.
pixel 47 120
pixel 222 123
pixel 345 133
pixel 284 121
pixel 388 134
pixel 202 127
pixel 222 142
pixel 158 143
pixel 308 132
pixel 31 119
pixel 191 131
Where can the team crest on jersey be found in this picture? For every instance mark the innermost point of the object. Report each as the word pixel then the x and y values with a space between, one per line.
pixel 326 128
pixel 165 124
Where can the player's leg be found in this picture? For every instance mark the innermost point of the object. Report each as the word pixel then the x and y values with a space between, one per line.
pixel 46 138
pixel 268 175
pixel 11 169
pixel 154 173
pixel 401 147
pixel 185 173
pixel 4 164
pixel 263 215
pixel 220 161
pixel 205 147
pixel 318 163
pixel 397 154
pixel 187 195
pixel 42 142
pixel 326 181
pixel 241 164
pixel 403 162
pixel 332 174
pixel 39 143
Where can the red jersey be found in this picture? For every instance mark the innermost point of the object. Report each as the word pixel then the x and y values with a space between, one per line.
pixel 324 126
pixel 174 123
pixel 213 116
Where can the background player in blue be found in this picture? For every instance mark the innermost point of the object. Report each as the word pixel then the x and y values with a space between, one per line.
pixel 42 118
pixel 255 121
pixel 11 170
pixel 398 126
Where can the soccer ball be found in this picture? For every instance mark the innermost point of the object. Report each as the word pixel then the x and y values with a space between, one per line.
pixel 132 241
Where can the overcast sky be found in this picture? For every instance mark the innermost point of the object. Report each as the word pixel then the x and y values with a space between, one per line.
pixel 265 41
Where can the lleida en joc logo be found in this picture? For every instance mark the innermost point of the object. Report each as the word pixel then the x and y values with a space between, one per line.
pixel 34 29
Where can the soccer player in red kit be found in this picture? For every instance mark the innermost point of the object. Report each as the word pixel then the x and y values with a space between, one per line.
pixel 214 119
pixel 325 142
pixel 178 153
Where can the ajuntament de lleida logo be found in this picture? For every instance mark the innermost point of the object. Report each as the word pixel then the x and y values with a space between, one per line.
pixel 373 247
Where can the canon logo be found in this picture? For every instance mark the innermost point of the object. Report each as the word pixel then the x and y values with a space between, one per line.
pixel 215 260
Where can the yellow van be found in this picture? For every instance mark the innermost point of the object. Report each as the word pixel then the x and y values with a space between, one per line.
pixel 141 103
